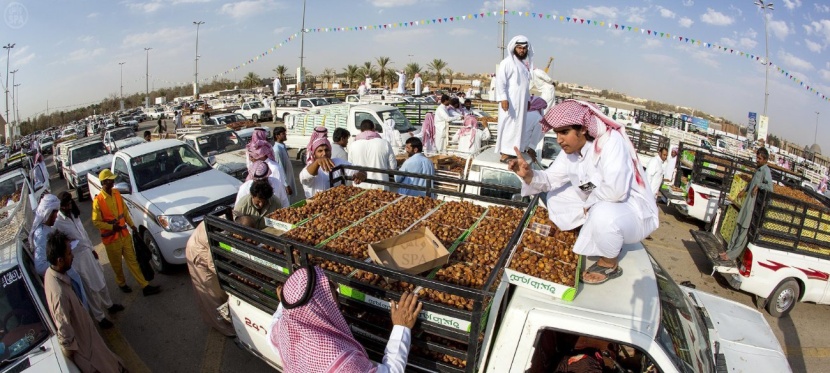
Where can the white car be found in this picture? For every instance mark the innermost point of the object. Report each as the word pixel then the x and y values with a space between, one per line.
pixel 223 149
pixel 255 111
pixel 121 138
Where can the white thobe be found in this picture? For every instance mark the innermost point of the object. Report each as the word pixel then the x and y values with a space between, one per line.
pixel 654 173
pixel 313 184
pixel 391 135
pixel 544 84
pixel 442 121
pixel 368 82
pixel 86 265
pixel 619 210
pixel 401 82
pixel 418 85
pixel 279 191
pixel 513 85
pixel 476 137
pixel 361 91
pixel 669 168
pixel 281 154
pixel 374 153
pixel 277 86
pixel 338 151
pixel 534 133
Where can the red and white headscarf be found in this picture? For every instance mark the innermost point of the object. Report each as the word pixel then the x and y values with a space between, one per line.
pixel 428 130
pixel 259 148
pixel 315 337
pixel 318 143
pixel 258 170
pixel 599 126
pixel 319 132
pixel 470 127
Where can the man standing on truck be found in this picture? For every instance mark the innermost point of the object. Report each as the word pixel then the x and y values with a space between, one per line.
pixel 442 122
pixel 417 163
pixel 79 340
pixel 390 134
pixel 762 179
pixel 370 150
pixel 597 184
pixel 513 94
pixel 86 261
pixel 401 81
pixel 112 218
pixel 418 82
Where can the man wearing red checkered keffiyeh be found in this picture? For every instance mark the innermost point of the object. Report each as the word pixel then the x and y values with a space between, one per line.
pixel 597 184
pixel 310 334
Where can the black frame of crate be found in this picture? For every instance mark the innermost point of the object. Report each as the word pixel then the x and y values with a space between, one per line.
pixel 296 255
pixel 763 204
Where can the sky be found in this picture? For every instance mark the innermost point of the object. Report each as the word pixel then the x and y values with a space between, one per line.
pixel 68 51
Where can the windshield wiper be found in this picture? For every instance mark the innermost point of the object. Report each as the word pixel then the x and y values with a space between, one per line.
pixel 157 182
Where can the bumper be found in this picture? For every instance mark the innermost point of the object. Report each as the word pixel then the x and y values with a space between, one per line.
pixel 172 244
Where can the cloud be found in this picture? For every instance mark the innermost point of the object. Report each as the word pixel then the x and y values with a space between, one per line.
pixel 736 10
pixel 821 28
pixel 84 54
pixel 243 9
pixel 665 13
pixel 822 8
pixel 92 15
pixel 165 36
pixel 20 57
pixel 392 3
pixel 813 46
pixel 728 42
pixel 651 43
pixel 792 4
pixel 86 39
pixel 592 12
pixel 747 43
pixel 751 33
pixel 780 29
pixel 496 4
pixel 716 18
pixel 403 36
pixel 148 7
pixel 686 22
pixel 280 30
pixel 688 2
pixel 825 74
pixel 562 42
pixel 460 31
pixel 704 56
pixel 659 59
pixel 790 61
pixel 635 18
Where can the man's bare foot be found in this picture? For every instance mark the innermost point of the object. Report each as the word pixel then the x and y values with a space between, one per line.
pixel 723 256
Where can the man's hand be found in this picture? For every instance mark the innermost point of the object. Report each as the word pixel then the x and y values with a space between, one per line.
pixel 505 105
pixel 521 167
pixel 325 163
pixel 359 177
pixel 405 312
pixel 755 191
pixel 288 190
pixel 741 194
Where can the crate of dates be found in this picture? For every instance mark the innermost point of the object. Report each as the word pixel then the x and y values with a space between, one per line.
pixel 544 260
pixel 288 218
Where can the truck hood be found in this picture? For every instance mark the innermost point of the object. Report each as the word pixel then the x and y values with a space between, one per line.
pixel 745 337
pixel 231 161
pixel 128 142
pixel 94 164
pixel 179 197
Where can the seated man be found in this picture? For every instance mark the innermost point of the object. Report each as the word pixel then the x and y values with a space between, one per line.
pixel 259 203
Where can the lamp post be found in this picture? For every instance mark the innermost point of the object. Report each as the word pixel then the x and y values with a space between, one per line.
pixel 16 107
pixel 196 74
pixel 8 48
pixel 301 75
pixel 121 64
pixel 815 135
pixel 147 79
pixel 765 6
pixel 14 75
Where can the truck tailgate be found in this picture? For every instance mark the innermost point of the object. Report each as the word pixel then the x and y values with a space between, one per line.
pixel 712 246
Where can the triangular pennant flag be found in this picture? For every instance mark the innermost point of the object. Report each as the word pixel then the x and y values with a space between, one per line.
pixel 582 21
pixel 649 32
pixel 589 21
pixel 616 26
pixel 568 18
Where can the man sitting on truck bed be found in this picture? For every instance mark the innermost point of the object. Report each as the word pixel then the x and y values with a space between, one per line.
pixel 762 179
pixel 310 334
pixel 599 185
pixel 260 202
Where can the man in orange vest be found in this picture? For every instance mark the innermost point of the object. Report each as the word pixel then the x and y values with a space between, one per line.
pixel 111 217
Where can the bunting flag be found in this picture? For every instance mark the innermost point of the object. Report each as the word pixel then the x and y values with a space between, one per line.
pixel 645 32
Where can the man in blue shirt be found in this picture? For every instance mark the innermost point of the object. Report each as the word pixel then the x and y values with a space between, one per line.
pixel 416 163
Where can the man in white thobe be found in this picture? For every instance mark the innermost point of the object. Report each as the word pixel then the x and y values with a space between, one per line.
pixel 370 150
pixel 401 81
pixel 543 82
pixel 442 121
pixel 513 94
pixel 418 84
pixel 390 134
pixel 368 82
pixel 654 171
pixel 277 86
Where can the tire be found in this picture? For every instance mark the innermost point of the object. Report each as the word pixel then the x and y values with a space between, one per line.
pixel 156 259
pixel 284 117
pixel 80 194
pixel 783 298
pixel 301 155
pixel 255 118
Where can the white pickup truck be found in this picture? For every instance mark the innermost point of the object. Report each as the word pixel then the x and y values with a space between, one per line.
pixel 83 159
pixel 121 138
pixel 168 188
pixel 289 106
pixel 223 149
pixel 640 322
pixel 254 111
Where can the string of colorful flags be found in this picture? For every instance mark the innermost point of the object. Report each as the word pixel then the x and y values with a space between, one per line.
pixel 538 16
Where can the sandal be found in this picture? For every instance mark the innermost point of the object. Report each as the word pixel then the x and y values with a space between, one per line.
pixel 508 159
pixel 609 273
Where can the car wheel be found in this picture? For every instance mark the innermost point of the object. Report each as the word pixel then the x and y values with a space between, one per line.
pixel 156 258
pixel 783 298
pixel 284 117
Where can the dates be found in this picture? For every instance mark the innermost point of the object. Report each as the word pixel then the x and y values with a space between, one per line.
pixel 445 233
pixel 368 234
pixel 544 267
pixel 291 215
pixel 350 212
pixel 447 299
pixel 389 221
pixel 305 235
pixel 378 195
pixel 331 266
pixel 327 225
pixel 550 246
pixel 452 218
pixel 347 246
pixel 470 252
pixel 492 233
pixel 337 194
pixel 463 208
pixel 464 274
pixel 505 213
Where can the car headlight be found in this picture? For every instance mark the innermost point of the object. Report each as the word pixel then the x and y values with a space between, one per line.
pixel 174 223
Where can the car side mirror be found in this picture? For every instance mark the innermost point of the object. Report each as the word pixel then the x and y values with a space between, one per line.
pixel 211 160
pixel 123 188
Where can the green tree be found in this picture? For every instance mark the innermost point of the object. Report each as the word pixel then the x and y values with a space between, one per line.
pixel 280 70
pixel 251 80
pixel 352 73
pixel 437 67
pixel 328 76
pixel 369 69
pixel 450 77
pixel 383 70
pixel 412 68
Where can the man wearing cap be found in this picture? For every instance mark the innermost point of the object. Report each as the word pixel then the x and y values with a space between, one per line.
pixel 111 217
pixel 513 94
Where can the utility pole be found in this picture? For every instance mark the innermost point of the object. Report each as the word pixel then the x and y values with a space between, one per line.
pixel 147 79
pixel 301 75
pixel 765 6
pixel 8 48
pixel 196 74
pixel 14 75
pixel 815 135
pixel 503 24
pixel 16 105
pixel 121 64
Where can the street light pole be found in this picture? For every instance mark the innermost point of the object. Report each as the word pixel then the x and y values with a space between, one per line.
pixel 14 75
pixel 765 6
pixel 121 64
pixel 8 48
pixel 16 105
pixel 147 79
pixel 196 74
pixel 815 135
pixel 301 75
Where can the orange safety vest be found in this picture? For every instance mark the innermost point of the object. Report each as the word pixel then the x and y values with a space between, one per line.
pixel 110 236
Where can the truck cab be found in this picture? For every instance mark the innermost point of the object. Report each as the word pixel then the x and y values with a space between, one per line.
pixel 255 111
pixel 82 159
pixel 223 149
pixel 121 138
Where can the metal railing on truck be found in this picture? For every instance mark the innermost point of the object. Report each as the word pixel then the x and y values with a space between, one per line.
pixel 647 142
pixel 251 263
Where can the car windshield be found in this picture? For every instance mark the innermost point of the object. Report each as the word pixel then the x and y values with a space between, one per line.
pixel 218 143
pixel 680 334
pixel 46 139
pixel 122 134
pixel 401 123
pixel 166 166
pixel 255 105
pixel 24 328
pixel 88 152
pixel 10 190
pixel 551 148
pixel 318 101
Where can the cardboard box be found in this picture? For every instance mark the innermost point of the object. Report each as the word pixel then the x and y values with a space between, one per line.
pixel 414 252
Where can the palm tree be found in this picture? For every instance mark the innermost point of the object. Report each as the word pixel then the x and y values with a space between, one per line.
pixel 369 69
pixel 412 68
pixel 328 75
pixel 352 74
pixel 251 80
pixel 382 62
pixel 437 66
pixel 280 70
pixel 450 77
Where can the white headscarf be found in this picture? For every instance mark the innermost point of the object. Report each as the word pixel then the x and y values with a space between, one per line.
pixel 47 205
pixel 512 46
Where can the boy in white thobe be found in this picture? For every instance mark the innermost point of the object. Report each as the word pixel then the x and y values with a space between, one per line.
pixel 442 121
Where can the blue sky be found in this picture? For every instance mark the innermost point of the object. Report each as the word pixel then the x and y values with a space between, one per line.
pixel 68 51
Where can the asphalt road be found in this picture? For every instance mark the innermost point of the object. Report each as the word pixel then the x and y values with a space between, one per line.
pixel 164 333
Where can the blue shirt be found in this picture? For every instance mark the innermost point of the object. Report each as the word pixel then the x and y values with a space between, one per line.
pixel 418 164
pixel 284 160
pixel 42 264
